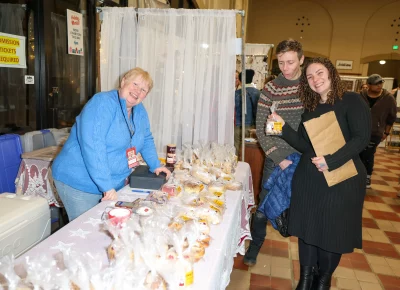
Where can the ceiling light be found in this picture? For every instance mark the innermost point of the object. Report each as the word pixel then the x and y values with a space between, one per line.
pixel 382 61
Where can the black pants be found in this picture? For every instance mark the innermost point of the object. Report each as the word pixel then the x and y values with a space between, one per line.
pixel 367 155
pixel 259 224
pixel 310 255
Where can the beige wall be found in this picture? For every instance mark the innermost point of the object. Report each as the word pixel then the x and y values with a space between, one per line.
pixel 357 30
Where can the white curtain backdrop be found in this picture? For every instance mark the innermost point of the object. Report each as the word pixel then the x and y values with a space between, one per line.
pixel 118 45
pixel 191 56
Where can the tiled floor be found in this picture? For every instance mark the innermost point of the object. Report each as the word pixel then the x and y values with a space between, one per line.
pixel 375 267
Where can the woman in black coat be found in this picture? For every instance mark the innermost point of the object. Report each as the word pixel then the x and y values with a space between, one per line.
pixel 326 220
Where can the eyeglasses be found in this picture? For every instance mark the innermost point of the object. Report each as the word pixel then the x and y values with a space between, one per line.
pixel 142 90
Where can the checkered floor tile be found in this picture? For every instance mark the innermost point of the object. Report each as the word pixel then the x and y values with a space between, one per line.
pixel 375 267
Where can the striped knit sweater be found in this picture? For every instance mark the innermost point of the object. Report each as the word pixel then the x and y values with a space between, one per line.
pixel 290 108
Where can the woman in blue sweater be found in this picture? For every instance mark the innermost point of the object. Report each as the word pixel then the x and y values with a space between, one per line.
pixel 93 163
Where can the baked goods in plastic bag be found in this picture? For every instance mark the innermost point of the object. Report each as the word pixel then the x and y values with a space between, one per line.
pixel 192 186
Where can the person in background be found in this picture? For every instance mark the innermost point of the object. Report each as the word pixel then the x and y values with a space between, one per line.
pixel 383 114
pixel 252 96
pixel 284 91
pixel 326 220
pixel 363 87
pixel 237 81
pixel 93 163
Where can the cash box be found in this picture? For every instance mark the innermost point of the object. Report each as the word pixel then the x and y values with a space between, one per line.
pixel 141 177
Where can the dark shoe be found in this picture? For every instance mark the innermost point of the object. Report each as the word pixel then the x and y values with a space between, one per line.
pixel 322 281
pixel 368 182
pixel 306 277
pixel 250 258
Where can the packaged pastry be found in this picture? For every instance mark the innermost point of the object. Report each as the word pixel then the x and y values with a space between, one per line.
pixel 171 189
pixel 217 187
pixel 234 185
pixel 192 186
pixel 273 127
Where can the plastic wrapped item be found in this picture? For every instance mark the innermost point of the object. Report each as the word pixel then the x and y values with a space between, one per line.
pixel 210 213
pixel 183 272
pixel 273 127
pixel 202 175
pixel 234 185
pixel 11 279
pixel 217 172
pixel 171 189
pixel 158 196
pixel 217 188
pixel 192 186
pixel 191 199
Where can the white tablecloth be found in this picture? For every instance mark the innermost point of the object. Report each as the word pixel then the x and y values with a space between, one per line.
pixel 212 272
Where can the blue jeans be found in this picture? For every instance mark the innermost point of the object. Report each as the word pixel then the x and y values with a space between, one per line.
pixel 259 224
pixel 76 202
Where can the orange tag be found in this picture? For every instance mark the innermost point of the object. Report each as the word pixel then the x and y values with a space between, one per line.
pixel 132 158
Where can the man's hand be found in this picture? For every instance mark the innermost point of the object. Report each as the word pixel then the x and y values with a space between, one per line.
pixel 110 195
pixel 284 164
pixel 275 117
pixel 163 169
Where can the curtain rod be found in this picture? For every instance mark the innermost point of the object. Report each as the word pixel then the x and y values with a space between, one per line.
pixel 99 10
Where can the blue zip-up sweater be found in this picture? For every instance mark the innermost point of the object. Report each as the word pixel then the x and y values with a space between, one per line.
pixel 279 186
pixel 94 159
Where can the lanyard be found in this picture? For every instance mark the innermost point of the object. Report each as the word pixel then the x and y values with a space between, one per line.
pixel 130 129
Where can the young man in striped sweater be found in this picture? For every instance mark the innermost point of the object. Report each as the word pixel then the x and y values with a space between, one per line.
pixel 284 91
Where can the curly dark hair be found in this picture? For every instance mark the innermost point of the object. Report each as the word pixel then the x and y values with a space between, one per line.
pixel 310 98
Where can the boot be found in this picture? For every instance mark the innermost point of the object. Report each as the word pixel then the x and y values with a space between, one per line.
pixel 250 258
pixel 322 281
pixel 306 277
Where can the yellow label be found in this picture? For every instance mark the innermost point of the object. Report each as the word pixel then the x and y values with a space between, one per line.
pixel 202 221
pixel 8 50
pixel 185 218
pixel 189 278
pixel 218 202
pixel 215 208
pixel 218 193
pixel 278 126
pixel 178 189
pixel 9 59
pixel 9 41
pixel 201 187
pixel 227 178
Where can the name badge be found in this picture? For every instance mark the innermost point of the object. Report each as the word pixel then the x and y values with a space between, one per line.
pixel 132 157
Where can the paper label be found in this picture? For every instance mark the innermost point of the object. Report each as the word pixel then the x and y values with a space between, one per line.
pixel 189 278
pixel 273 128
pixel 218 193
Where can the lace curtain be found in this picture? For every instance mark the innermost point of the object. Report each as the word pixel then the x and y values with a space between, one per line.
pixel 118 45
pixel 190 55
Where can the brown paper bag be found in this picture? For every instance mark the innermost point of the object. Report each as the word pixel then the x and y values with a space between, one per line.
pixel 327 138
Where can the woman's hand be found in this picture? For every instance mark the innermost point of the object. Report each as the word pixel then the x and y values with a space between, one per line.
pixel 163 169
pixel 275 117
pixel 110 195
pixel 320 163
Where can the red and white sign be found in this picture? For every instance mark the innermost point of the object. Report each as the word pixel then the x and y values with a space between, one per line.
pixel 75 32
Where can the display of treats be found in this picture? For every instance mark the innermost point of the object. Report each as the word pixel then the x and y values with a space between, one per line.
pixel 163 235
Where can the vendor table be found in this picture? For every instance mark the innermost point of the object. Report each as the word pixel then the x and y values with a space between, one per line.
pixel 212 272
pixel 34 175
